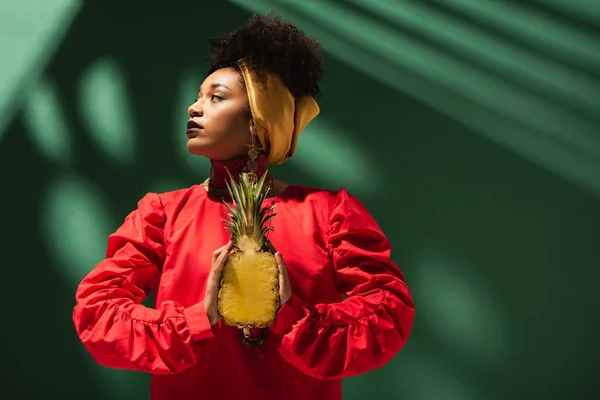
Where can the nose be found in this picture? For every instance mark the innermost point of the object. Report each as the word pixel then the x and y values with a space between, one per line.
pixel 195 110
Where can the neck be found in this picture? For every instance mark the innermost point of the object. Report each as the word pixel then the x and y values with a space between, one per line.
pixel 219 170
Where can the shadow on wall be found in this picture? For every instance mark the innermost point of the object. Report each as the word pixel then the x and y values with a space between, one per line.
pixel 499 252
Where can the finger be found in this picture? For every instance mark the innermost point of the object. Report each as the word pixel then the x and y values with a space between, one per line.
pixel 218 251
pixel 281 264
pixel 284 280
pixel 222 248
pixel 220 261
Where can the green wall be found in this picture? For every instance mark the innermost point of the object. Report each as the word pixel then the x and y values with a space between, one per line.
pixel 469 129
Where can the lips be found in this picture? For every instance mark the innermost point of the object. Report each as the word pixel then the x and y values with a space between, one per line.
pixel 193 126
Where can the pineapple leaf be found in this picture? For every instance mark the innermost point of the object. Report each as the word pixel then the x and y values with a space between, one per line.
pixel 244 198
pixel 246 214
pixel 267 218
pixel 233 190
pixel 259 184
pixel 230 208
pixel 266 211
pixel 239 204
pixel 229 189
pixel 266 230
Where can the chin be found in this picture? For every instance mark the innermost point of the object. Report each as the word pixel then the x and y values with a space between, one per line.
pixel 196 148
pixel 199 148
pixel 212 151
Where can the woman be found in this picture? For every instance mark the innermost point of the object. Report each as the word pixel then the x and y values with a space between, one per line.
pixel 260 91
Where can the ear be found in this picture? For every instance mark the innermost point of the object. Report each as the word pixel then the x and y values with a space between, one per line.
pixel 252 129
pixel 254 136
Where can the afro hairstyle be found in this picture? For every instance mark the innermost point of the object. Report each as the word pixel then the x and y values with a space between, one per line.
pixel 271 44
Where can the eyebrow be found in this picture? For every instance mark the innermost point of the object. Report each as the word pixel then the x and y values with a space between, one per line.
pixel 217 85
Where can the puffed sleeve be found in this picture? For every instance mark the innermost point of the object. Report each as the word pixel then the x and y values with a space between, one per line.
pixel 115 328
pixel 364 331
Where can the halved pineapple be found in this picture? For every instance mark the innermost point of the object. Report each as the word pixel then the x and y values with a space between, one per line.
pixel 249 286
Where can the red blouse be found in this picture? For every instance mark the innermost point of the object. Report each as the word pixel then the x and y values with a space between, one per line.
pixel 332 247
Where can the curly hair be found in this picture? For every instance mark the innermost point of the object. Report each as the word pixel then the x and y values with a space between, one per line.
pixel 272 44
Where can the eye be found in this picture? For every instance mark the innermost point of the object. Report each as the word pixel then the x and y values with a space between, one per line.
pixel 215 97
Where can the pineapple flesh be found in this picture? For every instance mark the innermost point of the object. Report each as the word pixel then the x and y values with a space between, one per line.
pixel 249 285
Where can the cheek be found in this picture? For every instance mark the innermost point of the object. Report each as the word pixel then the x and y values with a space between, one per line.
pixel 230 122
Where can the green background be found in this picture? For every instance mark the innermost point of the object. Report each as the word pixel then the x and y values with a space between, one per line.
pixel 469 128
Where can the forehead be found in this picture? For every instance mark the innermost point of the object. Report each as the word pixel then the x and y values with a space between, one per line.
pixel 224 76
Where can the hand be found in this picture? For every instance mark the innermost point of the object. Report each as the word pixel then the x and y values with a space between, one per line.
pixel 285 286
pixel 211 295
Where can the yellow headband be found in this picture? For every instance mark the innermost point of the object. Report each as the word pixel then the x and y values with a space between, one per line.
pixel 278 116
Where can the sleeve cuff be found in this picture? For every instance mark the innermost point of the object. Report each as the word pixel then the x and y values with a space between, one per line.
pixel 288 314
pixel 198 322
